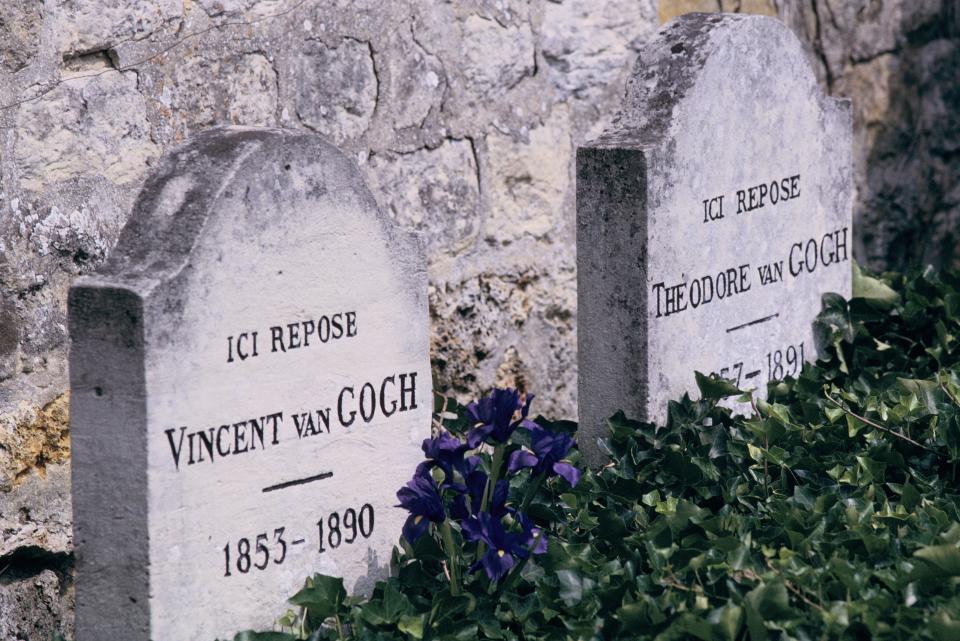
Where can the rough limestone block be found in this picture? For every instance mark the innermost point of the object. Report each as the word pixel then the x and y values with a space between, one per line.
pixel 495 58
pixel 711 217
pixel 36 606
pixel 335 88
pixel 88 25
pixel 250 387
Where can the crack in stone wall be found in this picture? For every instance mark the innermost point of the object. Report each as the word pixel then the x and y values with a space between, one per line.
pixel 464 117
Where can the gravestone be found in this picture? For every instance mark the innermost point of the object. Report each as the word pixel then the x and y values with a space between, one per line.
pixel 250 386
pixel 712 214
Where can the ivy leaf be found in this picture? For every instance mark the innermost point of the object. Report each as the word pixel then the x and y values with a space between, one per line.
pixel 688 626
pixel 714 387
pixel 925 392
pixel 944 626
pixel 872 289
pixel 910 497
pixel 572 586
pixel 729 620
pixel 388 609
pixel 770 600
pixel 322 597
pixel 412 625
pixel 941 560
pixel 642 613
pixel 951 306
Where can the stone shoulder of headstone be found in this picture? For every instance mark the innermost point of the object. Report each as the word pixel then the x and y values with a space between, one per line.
pixel 744 47
pixel 726 166
pixel 250 386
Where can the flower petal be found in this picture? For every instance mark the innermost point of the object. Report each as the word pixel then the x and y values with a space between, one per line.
pixel 414 527
pixel 526 405
pixel 520 459
pixel 476 435
pixel 539 541
pixel 497 563
pixel 498 502
pixel 570 473
pixel 472 529
pixel 458 509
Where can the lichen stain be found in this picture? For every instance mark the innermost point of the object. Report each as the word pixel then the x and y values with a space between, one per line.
pixel 39 442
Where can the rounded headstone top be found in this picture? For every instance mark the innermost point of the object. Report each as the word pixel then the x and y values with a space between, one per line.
pixel 271 173
pixel 757 50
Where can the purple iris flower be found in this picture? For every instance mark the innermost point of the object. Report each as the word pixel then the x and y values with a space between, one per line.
pixel 534 538
pixel 503 548
pixel 548 450
pixel 421 498
pixel 469 501
pixel 446 452
pixel 495 416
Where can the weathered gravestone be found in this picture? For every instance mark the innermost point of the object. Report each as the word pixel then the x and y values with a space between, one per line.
pixel 711 216
pixel 250 386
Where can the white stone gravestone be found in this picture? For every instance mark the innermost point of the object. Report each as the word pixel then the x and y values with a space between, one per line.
pixel 711 216
pixel 250 386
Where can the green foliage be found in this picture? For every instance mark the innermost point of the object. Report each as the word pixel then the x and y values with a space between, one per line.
pixel 830 514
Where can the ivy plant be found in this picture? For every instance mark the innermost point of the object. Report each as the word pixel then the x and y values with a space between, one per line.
pixel 831 512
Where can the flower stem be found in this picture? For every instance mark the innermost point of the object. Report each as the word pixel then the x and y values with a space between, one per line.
pixel 495 466
pixel 532 491
pixel 488 490
pixel 452 556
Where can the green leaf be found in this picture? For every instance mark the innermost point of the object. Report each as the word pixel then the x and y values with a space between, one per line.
pixel 322 597
pixel 388 609
pixel 925 392
pixel 642 613
pixel 951 306
pixel 910 497
pixel 944 626
pixel 833 413
pixel 714 387
pixel 755 627
pixel 770 600
pixel 572 586
pixel 854 425
pixel 771 429
pixel 872 289
pixel 651 498
pixel 942 560
pixel 412 625
pixel 688 626
pixel 728 619
pixel 667 506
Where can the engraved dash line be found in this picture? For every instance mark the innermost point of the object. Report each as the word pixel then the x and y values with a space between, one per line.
pixel 754 322
pixel 303 481
pixel 298 542
pixel 752 374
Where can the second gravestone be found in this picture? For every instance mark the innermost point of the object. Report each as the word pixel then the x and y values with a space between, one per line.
pixel 711 217
pixel 250 386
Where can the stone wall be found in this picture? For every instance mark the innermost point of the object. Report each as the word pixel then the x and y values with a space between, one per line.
pixel 464 116
pixel 899 60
